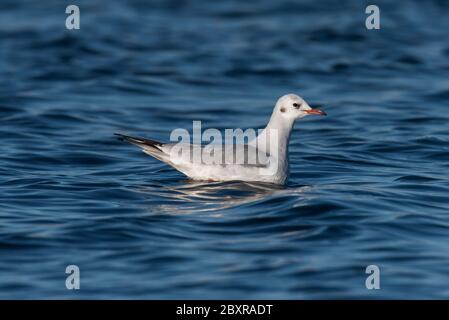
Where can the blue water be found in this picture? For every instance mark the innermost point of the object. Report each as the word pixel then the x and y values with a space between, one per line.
pixel 369 183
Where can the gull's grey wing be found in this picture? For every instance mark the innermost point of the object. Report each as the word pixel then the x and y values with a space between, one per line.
pixel 215 154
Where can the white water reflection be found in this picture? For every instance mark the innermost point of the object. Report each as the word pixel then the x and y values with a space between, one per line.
pixel 193 197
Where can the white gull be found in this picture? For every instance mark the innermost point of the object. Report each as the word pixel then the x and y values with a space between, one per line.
pixel 263 159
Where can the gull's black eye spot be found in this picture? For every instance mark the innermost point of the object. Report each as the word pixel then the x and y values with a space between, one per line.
pixel 296 105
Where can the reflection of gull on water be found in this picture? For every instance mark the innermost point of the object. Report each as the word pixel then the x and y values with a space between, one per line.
pixel 211 198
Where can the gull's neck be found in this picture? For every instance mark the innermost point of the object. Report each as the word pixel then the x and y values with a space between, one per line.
pixel 278 130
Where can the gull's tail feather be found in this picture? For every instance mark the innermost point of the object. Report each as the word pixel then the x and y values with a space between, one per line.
pixel 141 142
pixel 150 147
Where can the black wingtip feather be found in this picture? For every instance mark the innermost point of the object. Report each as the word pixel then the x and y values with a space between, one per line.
pixel 139 141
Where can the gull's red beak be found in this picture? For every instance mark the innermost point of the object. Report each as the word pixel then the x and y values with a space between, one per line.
pixel 315 111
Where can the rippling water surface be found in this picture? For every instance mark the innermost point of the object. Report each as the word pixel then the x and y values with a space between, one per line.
pixel 369 183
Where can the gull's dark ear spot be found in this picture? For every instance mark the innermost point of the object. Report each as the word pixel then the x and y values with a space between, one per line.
pixel 282 109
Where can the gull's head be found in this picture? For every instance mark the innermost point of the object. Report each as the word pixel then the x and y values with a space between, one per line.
pixel 294 107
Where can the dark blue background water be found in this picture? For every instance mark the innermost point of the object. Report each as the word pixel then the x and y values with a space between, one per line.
pixel 369 183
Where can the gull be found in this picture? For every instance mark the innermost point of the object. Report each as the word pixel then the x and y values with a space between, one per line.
pixel 262 159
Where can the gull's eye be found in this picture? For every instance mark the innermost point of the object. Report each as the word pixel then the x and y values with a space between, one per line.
pixel 296 105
